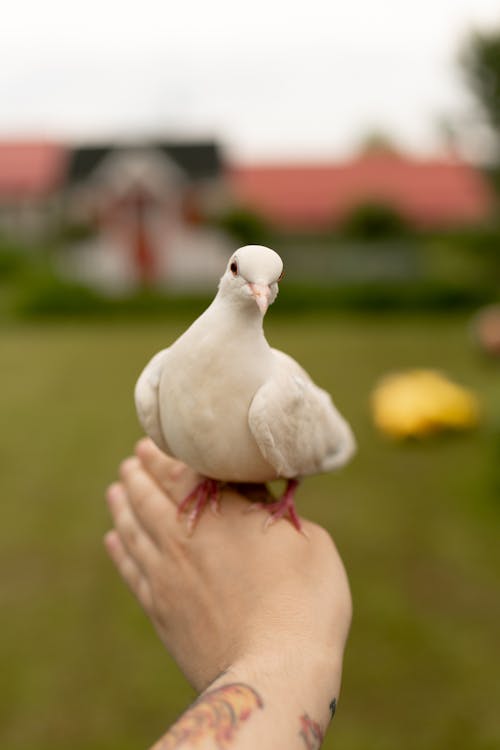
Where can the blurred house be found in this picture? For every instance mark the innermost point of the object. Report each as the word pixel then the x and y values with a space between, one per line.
pixel 148 206
pixel 129 214
pixel 31 176
pixel 437 193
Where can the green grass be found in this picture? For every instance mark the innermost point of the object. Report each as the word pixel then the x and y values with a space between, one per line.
pixel 417 525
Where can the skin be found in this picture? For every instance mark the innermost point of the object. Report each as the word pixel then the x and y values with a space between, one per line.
pixel 234 604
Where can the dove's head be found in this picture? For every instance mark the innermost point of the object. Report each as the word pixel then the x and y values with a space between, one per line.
pixel 252 276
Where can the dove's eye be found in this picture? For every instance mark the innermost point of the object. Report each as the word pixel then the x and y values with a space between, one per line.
pixel 234 268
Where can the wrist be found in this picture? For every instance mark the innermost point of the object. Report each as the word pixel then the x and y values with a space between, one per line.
pixel 292 684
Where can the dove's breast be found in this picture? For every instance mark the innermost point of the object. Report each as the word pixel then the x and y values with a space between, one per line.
pixel 205 396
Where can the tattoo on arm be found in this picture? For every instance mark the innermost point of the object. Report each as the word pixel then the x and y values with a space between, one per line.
pixel 216 715
pixel 310 732
pixel 333 707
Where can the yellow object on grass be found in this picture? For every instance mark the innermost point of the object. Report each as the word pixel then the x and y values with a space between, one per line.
pixel 422 402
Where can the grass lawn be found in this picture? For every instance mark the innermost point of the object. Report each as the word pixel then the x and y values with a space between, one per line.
pixel 417 525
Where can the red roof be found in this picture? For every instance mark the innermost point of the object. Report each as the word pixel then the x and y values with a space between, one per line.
pixel 30 169
pixel 428 193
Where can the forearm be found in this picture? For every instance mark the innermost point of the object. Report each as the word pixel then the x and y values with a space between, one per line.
pixel 267 704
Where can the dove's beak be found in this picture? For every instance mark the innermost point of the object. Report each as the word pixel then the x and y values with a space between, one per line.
pixel 262 295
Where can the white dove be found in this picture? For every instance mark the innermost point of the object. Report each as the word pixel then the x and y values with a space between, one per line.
pixel 231 407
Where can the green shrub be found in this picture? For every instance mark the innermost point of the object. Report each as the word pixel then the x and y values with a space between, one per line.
pixel 246 227
pixel 14 259
pixel 45 294
pixel 49 296
pixel 75 232
pixel 381 296
pixel 374 221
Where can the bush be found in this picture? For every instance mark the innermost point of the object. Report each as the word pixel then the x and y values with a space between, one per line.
pixel 374 221
pixel 245 226
pixel 46 294
pixel 51 297
pixel 14 259
pixel 74 232
pixel 380 297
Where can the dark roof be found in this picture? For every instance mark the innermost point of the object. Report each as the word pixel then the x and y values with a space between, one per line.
pixel 199 160
pixel 82 162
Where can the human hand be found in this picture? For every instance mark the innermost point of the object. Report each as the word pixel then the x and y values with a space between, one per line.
pixel 231 597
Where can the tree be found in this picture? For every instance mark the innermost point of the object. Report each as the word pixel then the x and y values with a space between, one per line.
pixel 481 64
pixel 378 142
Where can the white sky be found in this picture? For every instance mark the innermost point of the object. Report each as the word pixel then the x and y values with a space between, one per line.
pixel 271 78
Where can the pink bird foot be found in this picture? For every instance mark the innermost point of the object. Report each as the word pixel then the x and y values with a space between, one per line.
pixel 206 492
pixel 282 507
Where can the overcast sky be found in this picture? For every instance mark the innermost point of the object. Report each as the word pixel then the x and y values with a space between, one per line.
pixel 271 78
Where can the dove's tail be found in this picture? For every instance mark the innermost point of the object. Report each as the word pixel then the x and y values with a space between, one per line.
pixel 346 448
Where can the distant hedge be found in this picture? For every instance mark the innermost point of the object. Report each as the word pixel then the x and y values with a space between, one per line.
pixel 52 297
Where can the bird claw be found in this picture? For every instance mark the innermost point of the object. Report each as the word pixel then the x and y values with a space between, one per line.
pixel 206 492
pixel 281 508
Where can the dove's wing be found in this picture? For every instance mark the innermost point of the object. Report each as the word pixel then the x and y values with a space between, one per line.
pixel 146 399
pixel 297 428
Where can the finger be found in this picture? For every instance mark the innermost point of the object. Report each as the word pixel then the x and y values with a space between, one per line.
pixel 128 569
pixel 138 544
pixel 149 503
pixel 173 476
